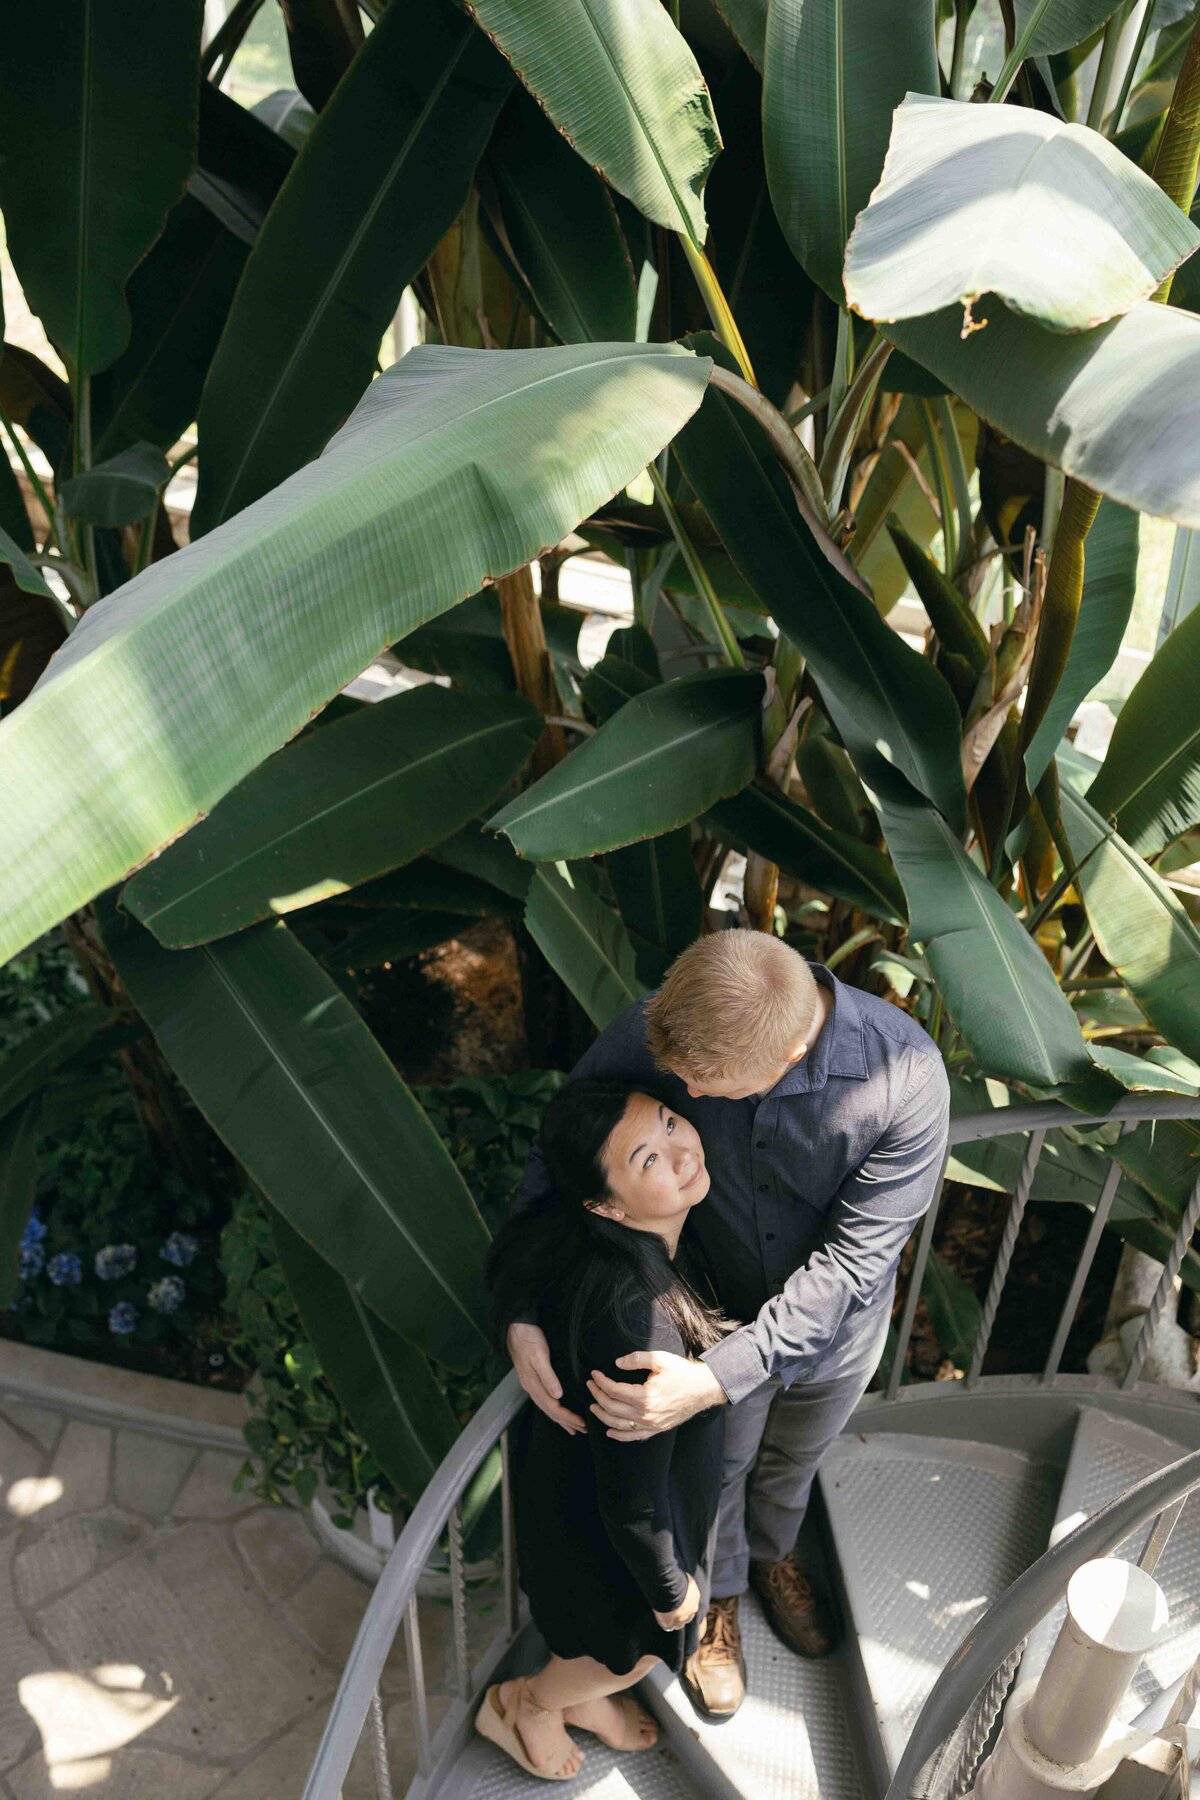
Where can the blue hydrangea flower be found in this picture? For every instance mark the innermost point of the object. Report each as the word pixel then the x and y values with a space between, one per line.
pixel 180 1249
pixel 115 1260
pixel 31 1261
pixel 167 1295
pixel 122 1319
pixel 35 1231
pixel 65 1269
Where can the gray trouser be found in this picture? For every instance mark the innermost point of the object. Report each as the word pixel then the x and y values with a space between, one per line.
pixel 774 1440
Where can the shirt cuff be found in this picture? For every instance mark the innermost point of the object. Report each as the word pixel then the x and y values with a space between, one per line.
pixel 737 1365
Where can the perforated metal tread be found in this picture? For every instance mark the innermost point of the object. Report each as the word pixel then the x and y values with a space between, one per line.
pixel 793 1738
pixel 929 1532
pixel 484 1773
pixel 1109 1454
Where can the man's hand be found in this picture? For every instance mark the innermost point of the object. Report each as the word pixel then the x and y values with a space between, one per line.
pixel 675 1389
pixel 530 1355
pixel 685 1612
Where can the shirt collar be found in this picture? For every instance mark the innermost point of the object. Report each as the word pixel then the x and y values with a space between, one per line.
pixel 839 1050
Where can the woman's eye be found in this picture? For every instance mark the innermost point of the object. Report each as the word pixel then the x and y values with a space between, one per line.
pixel 650 1160
pixel 670 1126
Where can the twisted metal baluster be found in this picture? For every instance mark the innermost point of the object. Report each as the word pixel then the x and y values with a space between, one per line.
pixel 1183 1238
pixel 458 1603
pixel 416 1684
pixel 986 1713
pixel 1008 1244
pixel 379 1750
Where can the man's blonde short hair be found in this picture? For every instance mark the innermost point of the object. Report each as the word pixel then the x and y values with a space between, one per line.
pixel 733 1006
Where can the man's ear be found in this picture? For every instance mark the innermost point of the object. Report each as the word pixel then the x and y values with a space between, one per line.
pixel 798 1052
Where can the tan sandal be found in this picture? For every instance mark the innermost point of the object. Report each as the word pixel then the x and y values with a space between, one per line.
pixel 635 1717
pixel 498 1725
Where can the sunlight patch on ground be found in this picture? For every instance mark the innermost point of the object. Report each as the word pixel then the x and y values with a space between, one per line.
pixel 29 1496
pixel 83 1718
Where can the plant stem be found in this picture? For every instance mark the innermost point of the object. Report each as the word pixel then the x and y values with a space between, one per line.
pixel 1050 899
pixel 724 323
pixel 225 41
pixel 1131 68
pixel 809 408
pixel 855 941
pixel 962 15
pixel 34 479
pixel 699 574
pixel 941 482
pixel 1178 159
pixel 1060 609
pixel 1110 44
pixel 843 362
pixel 844 429
pixel 960 481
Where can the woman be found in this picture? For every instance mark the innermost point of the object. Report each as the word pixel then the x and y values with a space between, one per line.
pixel 612 1538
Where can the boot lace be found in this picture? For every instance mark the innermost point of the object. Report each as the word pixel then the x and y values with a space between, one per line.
pixel 789 1588
pixel 722 1634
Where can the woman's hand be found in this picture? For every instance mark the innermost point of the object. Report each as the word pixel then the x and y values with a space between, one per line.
pixel 530 1355
pixel 685 1612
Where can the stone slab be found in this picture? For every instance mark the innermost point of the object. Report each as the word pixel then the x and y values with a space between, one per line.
pixel 148 1472
pixel 21 1463
pixel 22 1658
pixel 279 1547
pixel 48 1378
pixel 184 1609
pixel 80 1470
pixel 42 1423
pixel 68 1550
pixel 129 1775
pixel 327 1610
pixel 208 1491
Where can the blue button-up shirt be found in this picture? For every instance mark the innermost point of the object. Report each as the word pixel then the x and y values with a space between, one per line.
pixel 816 1184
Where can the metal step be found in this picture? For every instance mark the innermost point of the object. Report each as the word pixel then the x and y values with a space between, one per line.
pixel 929 1532
pixel 1109 1454
pixel 793 1738
pixel 484 1773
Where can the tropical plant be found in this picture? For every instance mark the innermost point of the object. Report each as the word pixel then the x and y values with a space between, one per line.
pixel 780 383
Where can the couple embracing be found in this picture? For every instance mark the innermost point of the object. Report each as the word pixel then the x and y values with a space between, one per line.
pixel 695 1289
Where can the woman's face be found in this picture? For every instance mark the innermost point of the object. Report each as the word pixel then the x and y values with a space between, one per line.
pixel 655 1165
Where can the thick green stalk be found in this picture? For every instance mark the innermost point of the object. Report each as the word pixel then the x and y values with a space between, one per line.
pixel 719 309
pixel 1110 45
pixel 844 429
pixel 34 480
pixel 941 482
pixel 962 15
pixel 699 574
pixel 1131 68
pixel 1178 159
pixel 1060 610
pixel 802 470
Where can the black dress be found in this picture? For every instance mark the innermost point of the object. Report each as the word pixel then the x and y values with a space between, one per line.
pixel 607 1533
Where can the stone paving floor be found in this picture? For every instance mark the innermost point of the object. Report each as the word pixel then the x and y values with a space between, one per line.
pixel 161 1635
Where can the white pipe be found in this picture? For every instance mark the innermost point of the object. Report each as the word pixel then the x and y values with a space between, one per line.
pixel 1061 1736
pixel 1115 1614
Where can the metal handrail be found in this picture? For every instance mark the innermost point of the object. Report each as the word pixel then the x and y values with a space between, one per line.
pixel 395 1592
pixel 393 1602
pixel 1010 1619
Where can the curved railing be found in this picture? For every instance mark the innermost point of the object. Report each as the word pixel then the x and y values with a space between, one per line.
pixel 995 1642
pixel 438 1513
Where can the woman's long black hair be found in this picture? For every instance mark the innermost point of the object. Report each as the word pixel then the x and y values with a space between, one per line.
pixel 561 1247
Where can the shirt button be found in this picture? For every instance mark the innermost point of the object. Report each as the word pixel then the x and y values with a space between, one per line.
pixel 764 1187
pixel 761 1144
pixel 770 1237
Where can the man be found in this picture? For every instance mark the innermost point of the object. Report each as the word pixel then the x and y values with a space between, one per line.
pixel 823 1112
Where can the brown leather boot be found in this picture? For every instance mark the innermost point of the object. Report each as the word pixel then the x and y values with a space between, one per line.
pixel 794 1610
pixel 715 1675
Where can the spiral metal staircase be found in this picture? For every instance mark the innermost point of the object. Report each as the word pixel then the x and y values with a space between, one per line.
pixel 956 1513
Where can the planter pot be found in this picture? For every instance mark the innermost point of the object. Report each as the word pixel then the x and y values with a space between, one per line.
pixel 365 1547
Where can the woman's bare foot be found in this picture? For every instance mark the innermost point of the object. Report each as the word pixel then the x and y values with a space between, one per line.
pixel 621 1726
pixel 543 1734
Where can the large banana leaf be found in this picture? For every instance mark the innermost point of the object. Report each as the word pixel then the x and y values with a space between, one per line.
pixel 324 36
pixel 457 465
pixel 622 86
pixel 1009 201
pixel 997 985
pixel 335 808
pixel 28 1065
pixel 747 19
pixel 561 227
pixel 1111 406
pixel 584 942
pixel 385 1385
pixel 393 936
pixel 1139 925
pixel 1109 584
pixel 891 707
pixel 1149 783
pixel 1055 25
pixel 835 71
pixel 763 819
pixel 661 761
pixel 658 892
pixel 98 104
pixel 285 1071
pixel 384 173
